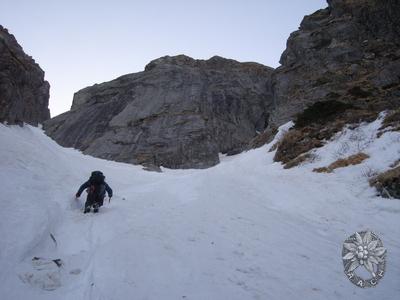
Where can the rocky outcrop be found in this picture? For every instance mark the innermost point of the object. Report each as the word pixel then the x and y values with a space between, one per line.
pixel 179 113
pixel 342 66
pixel 348 52
pixel 24 94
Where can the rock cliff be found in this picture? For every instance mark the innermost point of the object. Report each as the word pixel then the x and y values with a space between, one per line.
pixel 342 66
pixel 348 52
pixel 179 113
pixel 24 94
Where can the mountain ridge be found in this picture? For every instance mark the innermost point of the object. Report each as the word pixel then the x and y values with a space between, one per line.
pixel 179 113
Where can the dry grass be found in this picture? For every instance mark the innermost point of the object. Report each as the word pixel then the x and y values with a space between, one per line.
pixel 263 138
pixel 388 183
pixel 294 143
pixel 299 160
pixel 343 162
pixel 301 140
pixel 322 170
pixel 391 122
pixel 392 118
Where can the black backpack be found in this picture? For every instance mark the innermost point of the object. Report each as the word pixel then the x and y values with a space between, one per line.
pixel 97 185
pixel 97 178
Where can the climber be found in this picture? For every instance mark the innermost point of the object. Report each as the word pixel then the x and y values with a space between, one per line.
pixel 96 188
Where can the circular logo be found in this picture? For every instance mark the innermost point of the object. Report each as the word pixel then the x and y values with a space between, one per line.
pixel 364 250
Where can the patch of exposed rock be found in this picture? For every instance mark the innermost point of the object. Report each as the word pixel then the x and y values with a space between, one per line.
pixel 178 113
pixel 341 67
pixel 348 52
pixel 24 94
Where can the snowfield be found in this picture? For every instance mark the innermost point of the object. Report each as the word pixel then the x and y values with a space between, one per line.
pixel 245 229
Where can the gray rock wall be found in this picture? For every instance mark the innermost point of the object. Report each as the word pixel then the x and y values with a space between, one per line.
pixel 349 52
pixel 178 113
pixel 181 112
pixel 24 94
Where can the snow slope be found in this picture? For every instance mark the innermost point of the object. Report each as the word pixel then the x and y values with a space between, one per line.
pixel 245 229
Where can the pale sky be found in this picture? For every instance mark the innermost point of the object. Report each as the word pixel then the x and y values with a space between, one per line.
pixel 80 43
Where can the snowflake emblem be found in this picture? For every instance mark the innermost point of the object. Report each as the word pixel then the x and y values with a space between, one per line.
pixel 364 249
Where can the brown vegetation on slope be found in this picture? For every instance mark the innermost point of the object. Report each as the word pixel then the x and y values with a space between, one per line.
pixel 352 160
pixel 388 183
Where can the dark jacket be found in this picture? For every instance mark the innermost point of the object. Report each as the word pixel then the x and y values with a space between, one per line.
pixel 88 184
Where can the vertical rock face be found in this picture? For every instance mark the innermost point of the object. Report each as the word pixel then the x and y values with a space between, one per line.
pixel 24 94
pixel 178 113
pixel 349 52
pixel 181 112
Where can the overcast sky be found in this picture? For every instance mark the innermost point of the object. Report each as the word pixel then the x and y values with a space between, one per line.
pixel 80 43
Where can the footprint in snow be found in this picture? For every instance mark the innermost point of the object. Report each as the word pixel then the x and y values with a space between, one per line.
pixel 46 274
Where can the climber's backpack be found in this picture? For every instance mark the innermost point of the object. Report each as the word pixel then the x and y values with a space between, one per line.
pixel 97 178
